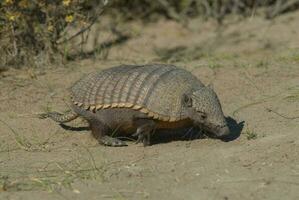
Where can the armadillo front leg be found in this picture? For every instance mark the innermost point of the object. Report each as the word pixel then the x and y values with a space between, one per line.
pixel 144 130
pixel 100 131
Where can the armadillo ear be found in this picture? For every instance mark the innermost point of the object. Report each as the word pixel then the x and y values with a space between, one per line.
pixel 211 86
pixel 187 100
pixel 203 115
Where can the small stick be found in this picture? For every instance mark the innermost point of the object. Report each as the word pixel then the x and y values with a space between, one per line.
pixel 94 19
pixel 281 115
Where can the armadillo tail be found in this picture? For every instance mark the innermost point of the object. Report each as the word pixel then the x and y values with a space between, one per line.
pixel 60 118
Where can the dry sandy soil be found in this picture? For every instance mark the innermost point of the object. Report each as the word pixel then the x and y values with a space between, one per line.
pixel 254 67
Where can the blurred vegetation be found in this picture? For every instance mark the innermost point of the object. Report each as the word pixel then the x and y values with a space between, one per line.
pixel 31 30
pixel 217 9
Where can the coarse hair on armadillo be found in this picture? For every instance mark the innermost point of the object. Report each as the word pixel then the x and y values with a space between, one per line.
pixel 154 89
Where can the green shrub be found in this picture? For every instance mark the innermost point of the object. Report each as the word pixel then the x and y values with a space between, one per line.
pixel 30 29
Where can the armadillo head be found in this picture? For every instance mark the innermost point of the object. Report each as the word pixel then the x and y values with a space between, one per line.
pixel 204 108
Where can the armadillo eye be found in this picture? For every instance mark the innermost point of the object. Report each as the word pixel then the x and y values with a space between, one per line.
pixel 187 100
pixel 203 116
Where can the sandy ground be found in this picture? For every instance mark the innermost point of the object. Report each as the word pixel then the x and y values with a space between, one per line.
pixel 254 68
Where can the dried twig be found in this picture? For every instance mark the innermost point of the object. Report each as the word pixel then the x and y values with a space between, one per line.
pixel 93 21
pixel 281 115
pixel 281 7
pixel 14 41
pixel 170 10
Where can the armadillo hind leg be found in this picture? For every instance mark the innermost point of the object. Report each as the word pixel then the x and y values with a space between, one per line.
pixel 99 131
pixel 60 118
pixel 145 128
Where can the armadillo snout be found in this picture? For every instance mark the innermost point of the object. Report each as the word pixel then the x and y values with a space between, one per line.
pixel 222 131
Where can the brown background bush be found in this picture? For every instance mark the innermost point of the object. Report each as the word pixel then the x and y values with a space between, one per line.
pixel 30 29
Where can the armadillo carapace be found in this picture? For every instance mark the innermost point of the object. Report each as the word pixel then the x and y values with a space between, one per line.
pixel 138 99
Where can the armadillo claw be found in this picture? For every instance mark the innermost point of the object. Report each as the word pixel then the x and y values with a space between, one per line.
pixel 110 141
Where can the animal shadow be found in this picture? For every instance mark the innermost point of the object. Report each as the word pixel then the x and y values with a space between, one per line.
pixel 187 134
pixel 160 136
pixel 235 129
pixel 183 134
pixel 71 128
